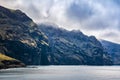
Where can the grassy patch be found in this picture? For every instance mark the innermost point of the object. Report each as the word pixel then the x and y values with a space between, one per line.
pixel 3 57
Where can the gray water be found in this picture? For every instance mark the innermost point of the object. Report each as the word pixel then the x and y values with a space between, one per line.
pixel 62 73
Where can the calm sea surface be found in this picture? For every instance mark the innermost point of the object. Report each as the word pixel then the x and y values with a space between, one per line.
pixel 62 73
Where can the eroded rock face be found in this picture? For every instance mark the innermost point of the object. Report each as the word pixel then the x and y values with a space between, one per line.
pixel 113 49
pixel 73 47
pixel 20 38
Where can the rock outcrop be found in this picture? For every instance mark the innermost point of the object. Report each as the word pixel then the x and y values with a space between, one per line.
pixel 73 47
pixel 20 38
pixel 113 49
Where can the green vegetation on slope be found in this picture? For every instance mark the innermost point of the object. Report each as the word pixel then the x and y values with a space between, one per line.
pixel 8 62
pixel 3 57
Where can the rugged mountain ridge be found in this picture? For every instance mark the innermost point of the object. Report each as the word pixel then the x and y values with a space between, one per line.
pixel 113 49
pixel 73 47
pixel 20 38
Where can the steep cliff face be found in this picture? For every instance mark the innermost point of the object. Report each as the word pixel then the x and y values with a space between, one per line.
pixel 73 47
pixel 113 49
pixel 20 38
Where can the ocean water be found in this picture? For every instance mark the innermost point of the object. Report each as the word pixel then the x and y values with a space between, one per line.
pixel 62 73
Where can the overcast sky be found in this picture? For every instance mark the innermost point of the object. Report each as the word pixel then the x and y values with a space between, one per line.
pixel 100 18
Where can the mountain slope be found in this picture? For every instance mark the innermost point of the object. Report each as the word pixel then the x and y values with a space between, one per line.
pixel 20 38
pixel 8 62
pixel 113 49
pixel 73 47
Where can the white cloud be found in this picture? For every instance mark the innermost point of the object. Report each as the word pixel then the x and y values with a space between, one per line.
pixel 95 17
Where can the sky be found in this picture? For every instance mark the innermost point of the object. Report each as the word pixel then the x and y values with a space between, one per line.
pixel 100 18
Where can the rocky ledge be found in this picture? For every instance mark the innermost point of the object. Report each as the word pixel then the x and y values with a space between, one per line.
pixel 8 62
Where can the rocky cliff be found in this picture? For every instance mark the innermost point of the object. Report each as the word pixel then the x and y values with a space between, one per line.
pixel 73 47
pixel 20 38
pixel 113 49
